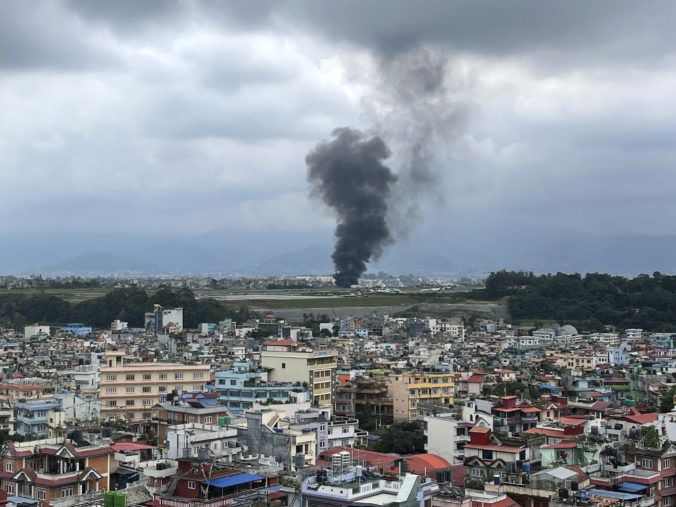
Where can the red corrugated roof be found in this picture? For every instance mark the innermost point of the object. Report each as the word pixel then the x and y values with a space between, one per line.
pixel 418 463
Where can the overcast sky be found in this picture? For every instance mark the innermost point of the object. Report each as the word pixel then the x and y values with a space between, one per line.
pixel 165 116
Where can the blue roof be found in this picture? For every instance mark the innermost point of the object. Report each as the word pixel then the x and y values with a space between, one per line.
pixel 632 487
pixel 234 480
pixel 617 495
pixel 550 387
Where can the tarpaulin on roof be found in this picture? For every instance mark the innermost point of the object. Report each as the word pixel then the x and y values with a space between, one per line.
pixel 234 480
pixel 632 487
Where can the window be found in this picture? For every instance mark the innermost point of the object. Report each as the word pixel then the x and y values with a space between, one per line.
pixel 647 463
pixel 111 390
pixel 67 491
pixel 666 501
pixel 668 482
pixel 130 376
pixel 191 419
pixel 147 415
pixel 191 484
pixel 196 376
pixel 197 387
pixel 207 420
pixel 147 376
pixel 162 389
pixel 129 403
pixel 42 494
pixel 476 472
pixel 147 402
pixel 283 365
pixel 146 389
pixel 233 382
pixel 112 403
pixel 486 454
pixel 9 466
pixel 111 377
pixel 666 463
pixel 9 488
pixel 346 430
pixel 178 376
pixel 163 376
pixel 130 389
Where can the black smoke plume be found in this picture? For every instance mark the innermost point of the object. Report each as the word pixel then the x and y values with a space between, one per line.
pixel 348 175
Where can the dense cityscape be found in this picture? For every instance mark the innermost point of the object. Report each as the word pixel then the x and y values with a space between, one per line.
pixel 439 402
pixel 355 253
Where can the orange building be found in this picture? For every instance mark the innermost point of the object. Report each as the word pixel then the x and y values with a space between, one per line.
pixel 43 470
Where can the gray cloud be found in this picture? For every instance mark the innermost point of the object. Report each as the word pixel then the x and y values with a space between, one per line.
pixel 193 115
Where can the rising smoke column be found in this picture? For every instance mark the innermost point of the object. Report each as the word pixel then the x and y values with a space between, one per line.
pixel 348 175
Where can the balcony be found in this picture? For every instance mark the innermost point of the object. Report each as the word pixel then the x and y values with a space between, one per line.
pixel 31 419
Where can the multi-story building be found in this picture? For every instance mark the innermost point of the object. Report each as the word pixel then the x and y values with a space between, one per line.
pixel 44 471
pixel 514 417
pixel 410 389
pixel 164 320
pixel 188 440
pixel 32 417
pixel 359 487
pixel 353 398
pixel 170 414
pixel 10 394
pixel 240 388
pixel 36 330
pixel 289 361
pixel 77 329
pixel 446 437
pixel 130 390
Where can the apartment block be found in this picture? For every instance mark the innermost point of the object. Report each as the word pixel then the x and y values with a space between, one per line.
pixel 289 361
pixel 130 390
pixel 411 389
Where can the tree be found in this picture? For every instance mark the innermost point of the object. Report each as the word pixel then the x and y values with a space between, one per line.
pixel 650 436
pixel 366 419
pixel 667 400
pixel 401 438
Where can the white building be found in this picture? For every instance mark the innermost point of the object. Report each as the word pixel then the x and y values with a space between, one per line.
pixel 447 437
pixel 186 441
pixel 35 330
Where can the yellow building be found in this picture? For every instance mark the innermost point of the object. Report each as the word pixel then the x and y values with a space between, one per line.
pixel 410 389
pixel 130 390
pixel 290 361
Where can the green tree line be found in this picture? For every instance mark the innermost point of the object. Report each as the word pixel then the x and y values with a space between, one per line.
pixel 127 304
pixel 591 301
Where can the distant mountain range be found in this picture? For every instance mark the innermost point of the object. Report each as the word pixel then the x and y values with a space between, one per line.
pixel 277 253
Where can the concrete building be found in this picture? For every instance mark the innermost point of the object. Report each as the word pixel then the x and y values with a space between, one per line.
pixel 32 417
pixel 265 434
pixel 130 390
pixel 240 388
pixel 410 389
pixel 164 320
pixel 289 361
pixel 360 487
pixel 446 437
pixel 170 414
pixel 202 441
pixel 35 330
pixel 76 329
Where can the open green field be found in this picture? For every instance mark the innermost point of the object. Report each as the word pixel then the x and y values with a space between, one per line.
pixel 70 295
